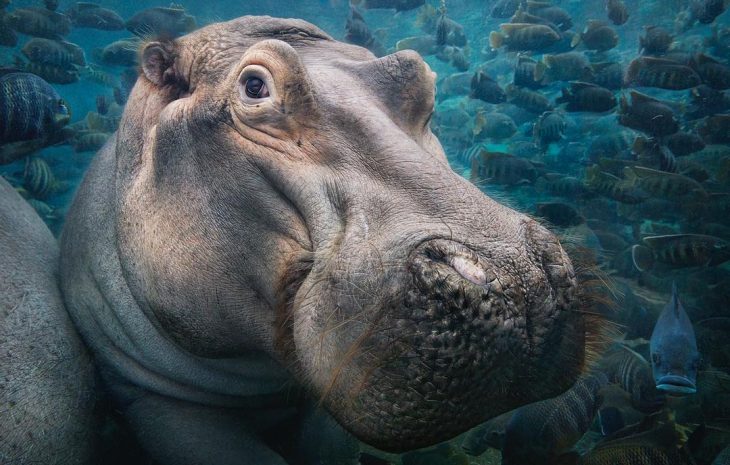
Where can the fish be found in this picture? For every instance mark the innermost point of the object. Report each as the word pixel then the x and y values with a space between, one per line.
pixel 542 431
pixel 647 114
pixel 633 373
pixel 30 108
pixel 38 179
pixel 598 36
pixel 712 72
pixel 449 32
pixel 549 128
pixel 495 126
pixel 523 37
pixel 485 88
pixel 524 73
pixel 89 141
pixel 527 99
pixel 486 435
pixel 454 85
pixel 397 5
pixel 715 129
pixel 651 153
pixel 118 53
pixel 54 52
pixel 663 184
pixel 161 22
pixel 94 16
pixel 357 32
pixel 617 12
pixel 556 15
pixel 570 66
pixel 39 22
pixel 53 73
pixel 659 445
pixel 502 168
pixel 661 73
pixel 583 96
pixel 610 420
pixel 505 8
pixel 561 185
pixel 614 187
pixel 425 44
pixel 675 359
pixel 612 145
pixel 707 101
pixel 685 143
pixel 51 4
pixel 99 76
pixel 680 251
pixel 705 11
pixel 559 214
pixel 655 41
pixel 723 458
pixel 442 454
pixel 608 74
pixel 8 37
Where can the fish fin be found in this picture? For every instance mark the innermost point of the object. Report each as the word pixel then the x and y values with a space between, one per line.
pixel 630 174
pixel 642 257
pixel 577 38
pixel 540 69
pixel 496 39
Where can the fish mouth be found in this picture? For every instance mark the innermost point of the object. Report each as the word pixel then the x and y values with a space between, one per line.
pixel 676 384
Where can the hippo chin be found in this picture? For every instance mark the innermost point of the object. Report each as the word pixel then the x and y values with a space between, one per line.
pixel 274 226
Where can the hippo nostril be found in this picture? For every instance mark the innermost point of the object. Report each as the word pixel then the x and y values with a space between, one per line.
pixel 468 270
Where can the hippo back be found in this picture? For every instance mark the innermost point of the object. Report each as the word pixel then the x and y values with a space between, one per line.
pixel 46 374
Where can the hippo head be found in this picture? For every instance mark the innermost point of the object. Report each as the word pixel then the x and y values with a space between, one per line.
pixel 281 191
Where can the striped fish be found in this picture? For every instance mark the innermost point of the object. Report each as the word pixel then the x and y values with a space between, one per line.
pixel 633 374
pixel 38 178
pixel 29 108
pixel 470 153
pixel 540 432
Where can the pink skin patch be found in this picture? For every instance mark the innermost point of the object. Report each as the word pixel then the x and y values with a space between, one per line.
pixel 468 270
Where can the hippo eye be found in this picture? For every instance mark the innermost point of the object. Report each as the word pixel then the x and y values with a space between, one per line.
pixel 256 88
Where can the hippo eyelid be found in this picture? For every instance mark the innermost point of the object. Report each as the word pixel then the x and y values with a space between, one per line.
pixel 259 72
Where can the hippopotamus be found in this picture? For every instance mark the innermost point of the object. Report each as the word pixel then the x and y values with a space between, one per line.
pixel 272 261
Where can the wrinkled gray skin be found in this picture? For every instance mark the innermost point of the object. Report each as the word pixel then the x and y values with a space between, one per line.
pixel 224 251
pixel 46 374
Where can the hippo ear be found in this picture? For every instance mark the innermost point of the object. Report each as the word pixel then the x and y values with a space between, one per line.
pixel 158 62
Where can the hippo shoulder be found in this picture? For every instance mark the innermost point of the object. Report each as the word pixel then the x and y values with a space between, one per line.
pixel 46 375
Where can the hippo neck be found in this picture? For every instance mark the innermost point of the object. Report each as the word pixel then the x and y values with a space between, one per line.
pixel 132 353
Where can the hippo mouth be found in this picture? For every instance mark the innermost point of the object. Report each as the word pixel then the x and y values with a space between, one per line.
pixel 460 342
pixel 676 385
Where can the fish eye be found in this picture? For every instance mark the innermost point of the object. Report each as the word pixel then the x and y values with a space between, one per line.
pixel 256 88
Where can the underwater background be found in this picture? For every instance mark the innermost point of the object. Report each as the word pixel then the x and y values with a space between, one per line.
pixel 607 120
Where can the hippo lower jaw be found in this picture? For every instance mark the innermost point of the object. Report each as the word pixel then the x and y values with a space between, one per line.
pixel 462 330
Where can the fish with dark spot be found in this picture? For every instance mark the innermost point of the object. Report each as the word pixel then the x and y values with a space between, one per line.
pixel 583 96
pixel 675 359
